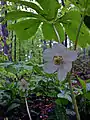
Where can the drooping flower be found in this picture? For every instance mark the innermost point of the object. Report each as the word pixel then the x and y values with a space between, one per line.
pixel 58 59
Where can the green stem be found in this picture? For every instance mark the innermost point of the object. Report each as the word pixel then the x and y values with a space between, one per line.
pixel 73 99
pixel 79 28
pixel 28 109
pixel 80 25
pixel 58 37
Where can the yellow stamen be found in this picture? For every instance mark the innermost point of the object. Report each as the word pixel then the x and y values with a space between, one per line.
pixel 58 60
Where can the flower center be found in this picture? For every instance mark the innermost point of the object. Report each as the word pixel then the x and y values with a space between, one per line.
pixel 58 60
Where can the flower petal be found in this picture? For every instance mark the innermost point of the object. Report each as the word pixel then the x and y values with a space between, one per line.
pixel 58 49
pixel 50 67
pixel 62 73
pixel 67 66
pixel 60 46
pixel 48 54
pixel 70 55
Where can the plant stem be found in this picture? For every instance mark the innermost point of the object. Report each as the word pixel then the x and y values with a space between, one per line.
pixel 78 32
pixel 73 99
pixel 80 25
pixel 58 37
pixel 28 109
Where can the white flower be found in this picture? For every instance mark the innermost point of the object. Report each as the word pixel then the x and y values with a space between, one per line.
pixel 23 85
pixel 58 59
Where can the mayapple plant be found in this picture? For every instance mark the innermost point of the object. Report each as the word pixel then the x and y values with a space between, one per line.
pixel 58 58
pixel 46 15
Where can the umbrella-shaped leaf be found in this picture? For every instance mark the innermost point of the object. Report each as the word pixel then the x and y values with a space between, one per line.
pixel 48 31
pixel 26 28
pixel 71 22
pixel 50 7
pixel 88 11
pixel 86 21
pixel 81 3
pixel 29 4
pixel 14 15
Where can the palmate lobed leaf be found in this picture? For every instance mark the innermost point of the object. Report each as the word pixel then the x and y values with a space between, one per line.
pixel 26 28
pixel 71 22
pixel 78 3
pixel 14 15
pixel 49 32
pixel 48 12
pixel 17 14
pixel 71 15
pixel 28 4
pixel 88 11
pixel 81 3
pixel 50 7
pixel 84 35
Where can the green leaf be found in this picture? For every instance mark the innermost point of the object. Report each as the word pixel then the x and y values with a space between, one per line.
pixel 84 36
pixel 49 32
pixel 29 4
pixel 65 96
pixel 71 22
pixel 50 7
pixel 5 64
pixel 61 101
pixel 60 31
pixel 15 68
pixel 83 84
pixel 26 28
pixel 83 5
pixel 71 15
pixel 1 19
pixel 14 15
pixel 37 69
pixel 88 11
pixel 86 21
pixel 80 3
pixel 87 95
pixel 11 69
pixel 88 81
pixel 13 106
pixel 22 67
